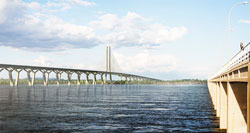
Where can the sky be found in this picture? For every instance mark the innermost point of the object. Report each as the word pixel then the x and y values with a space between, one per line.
pixel 163 39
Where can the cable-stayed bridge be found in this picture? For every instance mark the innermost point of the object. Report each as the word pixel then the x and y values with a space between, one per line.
pixel 105 76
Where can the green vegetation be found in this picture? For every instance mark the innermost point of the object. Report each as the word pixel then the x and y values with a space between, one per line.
pixel 186 81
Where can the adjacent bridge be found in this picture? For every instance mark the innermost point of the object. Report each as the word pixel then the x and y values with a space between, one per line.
pixel 229 89
pixel 46 71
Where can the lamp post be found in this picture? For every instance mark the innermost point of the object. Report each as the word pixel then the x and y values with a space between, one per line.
pixel 229 26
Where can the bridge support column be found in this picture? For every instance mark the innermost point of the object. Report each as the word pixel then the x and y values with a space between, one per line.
pixel 248 100
pixel 211 89
pixel 87 78
pixel 1 69
pixel 213 93
pixel 45 77
pixel 215 96
pixel 120 77
pixel 237 107
pixel 58 77
pixel 10 70
pixel 69 77
pixel 105 78
pixel 28 76
pixel 33 77
pixel 101 75
pixel 79 78
pixel 126 79
pixel 94 79
pixel 218 99
pixel 110 77
pixel 17 76
pixel 223 105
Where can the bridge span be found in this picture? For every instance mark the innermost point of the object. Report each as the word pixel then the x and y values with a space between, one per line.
pixel 229 89
pixel 46 71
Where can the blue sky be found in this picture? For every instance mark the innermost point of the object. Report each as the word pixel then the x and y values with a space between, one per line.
pixel 163 39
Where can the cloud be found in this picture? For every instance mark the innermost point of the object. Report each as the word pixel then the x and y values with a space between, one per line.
pixel 65 5
pixel 157 65
pixel 107 22
pixel 82 2
pixel 40 32
pixel 245 21
pixel 34 5
pixel 8 9
pixel 145 62
pixel 190 71
pixel 134 30
pixel 62 5
pixel 43 61
pixel 24 25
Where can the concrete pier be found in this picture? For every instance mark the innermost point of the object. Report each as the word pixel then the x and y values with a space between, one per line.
pixel 87 78
pixel 58 77
pixel 101 75
pixel 126 79
pixel 229 89
pixel 69 77
pixel 28 76
pixel 45 77
pixel 110 78
pixel 10 70
pixel 94 78
pixel 17 76
pixel 79 78
pixel 33 77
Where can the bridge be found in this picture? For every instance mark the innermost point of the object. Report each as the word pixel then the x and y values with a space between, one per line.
pixel 229 89
pixel 46 71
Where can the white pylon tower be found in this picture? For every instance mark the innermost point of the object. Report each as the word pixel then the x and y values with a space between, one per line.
pixel 108 64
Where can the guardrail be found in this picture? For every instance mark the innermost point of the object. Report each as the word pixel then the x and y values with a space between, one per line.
pixel 241 56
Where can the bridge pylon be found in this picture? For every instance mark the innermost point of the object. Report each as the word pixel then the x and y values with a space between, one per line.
pixel 108 65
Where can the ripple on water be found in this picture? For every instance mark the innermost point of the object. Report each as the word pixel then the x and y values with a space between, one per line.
pixel 108 108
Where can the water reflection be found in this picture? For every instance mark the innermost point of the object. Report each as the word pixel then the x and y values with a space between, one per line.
pixel 87 94
pixel 94 87
pixel 58 93
pixel 79 92
pixel 10 98
pixel 106 108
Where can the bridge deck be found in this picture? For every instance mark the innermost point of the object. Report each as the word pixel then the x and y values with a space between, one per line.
pixel 68 69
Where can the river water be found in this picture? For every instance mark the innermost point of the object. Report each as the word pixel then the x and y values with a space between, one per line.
pixel 107 108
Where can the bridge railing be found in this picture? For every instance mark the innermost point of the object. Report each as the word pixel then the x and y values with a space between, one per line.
pixel 241 56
